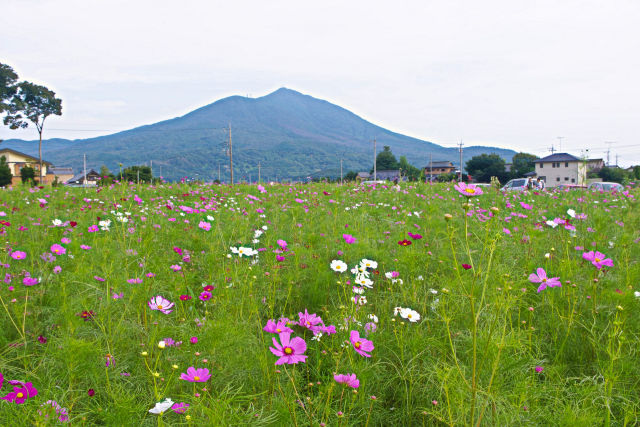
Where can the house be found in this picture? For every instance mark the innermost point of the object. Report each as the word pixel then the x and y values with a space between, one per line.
pixel 17 160
pixel 91 179
pixel 561 168
pixel 438 168
pixel 363 176
pixel 63 174
pixel 389 175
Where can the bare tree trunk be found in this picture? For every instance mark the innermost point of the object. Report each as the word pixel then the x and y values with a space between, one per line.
pixel 40 154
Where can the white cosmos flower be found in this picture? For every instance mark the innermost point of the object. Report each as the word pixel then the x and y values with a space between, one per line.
pixel 264 227
pixel 339 266
pixel 357 290
pixel 367 263
pixel 363 281
pixel 162 406
pixel 397 310
pixel 551 224
pixel 637 294
pixel 571 213
pixel 411 315
pixel 373 317
pixel 210 218
pixel 56 222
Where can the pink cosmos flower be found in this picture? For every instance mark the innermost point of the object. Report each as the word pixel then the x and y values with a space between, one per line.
pixel 58 249
pixel 598 259
pixel 348 379
pixel 161 304
pixel 18 255
pixel 279 258
pixel 348 238
pixel 20 393
pixel 180 408
pixel 310 321
pixel 30 281
pixel 134 281
pixel 544 281
pixel 194 375
pixel 57 269
pixel 175 267
pixel 282 244
pixel 85 247
pixel 466 266
pixel 289 351
pixel 361 345
pixel 93 229
pixel 99 279
pixel 276 328
pixel 469 190
pixel 415 236
pixel 204 225
pixel 205 296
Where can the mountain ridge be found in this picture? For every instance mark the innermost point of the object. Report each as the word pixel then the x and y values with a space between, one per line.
pixel 292 134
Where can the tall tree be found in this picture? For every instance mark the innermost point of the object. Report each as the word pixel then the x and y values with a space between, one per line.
pixel 411 172
pixel 5 172
pixel 32 103
pixel 484 166
pixel 523 163
pixel 386 160
pixel 8 88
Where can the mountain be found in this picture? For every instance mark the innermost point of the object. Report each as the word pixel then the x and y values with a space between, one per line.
pixel 292 135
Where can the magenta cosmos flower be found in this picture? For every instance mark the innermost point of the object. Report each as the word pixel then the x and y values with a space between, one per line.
pixel 58 249
pixel 361 345
pixel 289 351
pixel 18 255
pixel 544 281
pixel 598 259
pixel 277 328
pixel 348 238
pixel 469 190
pixel 20 393
pixel 30 281
pixel 349 379
pixel 161 304
pixel 194 375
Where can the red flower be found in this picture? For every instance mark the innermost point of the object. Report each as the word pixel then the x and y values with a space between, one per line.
pixel 404 242
pixel 86 315
pixel 466 266
pixel 208 288
pixel 91 392
pixel 185 297
pixel 73 223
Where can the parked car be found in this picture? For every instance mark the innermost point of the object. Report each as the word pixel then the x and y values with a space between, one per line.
pixel 605 186
pixel 565 187
pixel 518 184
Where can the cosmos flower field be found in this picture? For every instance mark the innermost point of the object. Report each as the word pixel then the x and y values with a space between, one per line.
pixel 317 304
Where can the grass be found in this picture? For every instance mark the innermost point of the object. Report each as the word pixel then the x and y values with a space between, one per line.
pixel 470 360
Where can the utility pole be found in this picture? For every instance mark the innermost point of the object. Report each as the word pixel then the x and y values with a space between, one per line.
pixel 375 169
pixel 460 175
pixel 84 178
pixel 230 154
pixel 560 138
pixel 340 171
pixel 430 167
pixel 259 176
pixel 609 150
pixel 138 176
pixel 151 167
pixel 616 160
pixel 552 149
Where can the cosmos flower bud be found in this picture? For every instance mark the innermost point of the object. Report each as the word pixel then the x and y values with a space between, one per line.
pixel 448 217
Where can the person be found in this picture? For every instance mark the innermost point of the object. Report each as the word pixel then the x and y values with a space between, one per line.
pixel 540 184
pixel 529 183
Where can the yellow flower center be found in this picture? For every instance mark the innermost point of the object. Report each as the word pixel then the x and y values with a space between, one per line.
pixel 20 395
pixel 278 330
pixel 544 280
pixel 469 190
pixel 196 378
pixel 337 267
pixel 159 306
pixel 597 259
pixel 357 345
pixel 409 316
pixel 288 350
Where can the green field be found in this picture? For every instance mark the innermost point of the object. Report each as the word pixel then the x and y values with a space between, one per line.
pixel 449 303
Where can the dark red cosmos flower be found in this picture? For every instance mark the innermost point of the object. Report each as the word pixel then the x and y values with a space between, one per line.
pixel 404 242
pixel 209 288
pixel 466 266
pixel 415 236
pixel 73 223
pixel 86 315
pixel 326 194
pixel 185 297
pixel 42 339
pixel 91 392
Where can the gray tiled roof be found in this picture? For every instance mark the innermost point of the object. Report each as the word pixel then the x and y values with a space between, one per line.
pixel 558 157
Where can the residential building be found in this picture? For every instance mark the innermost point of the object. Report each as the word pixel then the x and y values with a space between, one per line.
pixel 561 168
pixel 17 160
pixel 79 180
pixel 389 175
pixel 363 176
pixel 439 168
pixel 63 174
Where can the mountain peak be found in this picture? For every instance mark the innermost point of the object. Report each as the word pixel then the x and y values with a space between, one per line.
pixel 283 91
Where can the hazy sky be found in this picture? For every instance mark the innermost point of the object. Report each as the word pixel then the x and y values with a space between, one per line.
pixel 514 74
